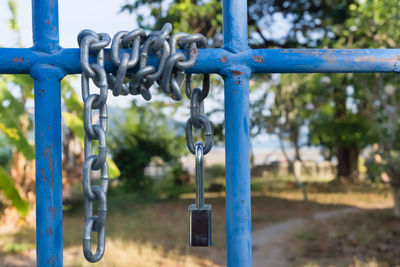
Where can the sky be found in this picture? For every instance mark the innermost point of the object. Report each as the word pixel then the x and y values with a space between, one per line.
pixel 97 15
pixel 74 15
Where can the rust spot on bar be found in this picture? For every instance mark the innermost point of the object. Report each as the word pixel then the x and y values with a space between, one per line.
pixel 47 21
pixel 41 90
pixel 43 175
pixel 49 231
pixel 238 82
pixel 395 59
pixel 18 59
pixel 51 261
pixel 236 72
pixel 366 59
pixel 47 154
pixel 329 58
pixel 53 212
pixel 224 59
pixel 258 59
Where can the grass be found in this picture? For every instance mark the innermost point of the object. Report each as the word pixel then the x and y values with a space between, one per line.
pixel 370 238
pixel 156 234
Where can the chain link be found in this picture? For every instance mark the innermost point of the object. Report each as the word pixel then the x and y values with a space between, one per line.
pixel 197 118
pixel 131 50
pixel 91 42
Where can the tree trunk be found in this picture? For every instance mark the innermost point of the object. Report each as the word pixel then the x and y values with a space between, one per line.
pixel 347 156
pixel 297 178
pixel 347 169
pixel 396 198
pixel 290 162
pixel 394 176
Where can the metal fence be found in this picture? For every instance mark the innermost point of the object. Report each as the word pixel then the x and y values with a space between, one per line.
pixel 48 63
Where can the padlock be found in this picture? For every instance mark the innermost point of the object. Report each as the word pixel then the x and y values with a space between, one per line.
pixel 199 213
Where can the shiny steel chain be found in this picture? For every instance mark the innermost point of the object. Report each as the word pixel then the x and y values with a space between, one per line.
pixel 197 118
pixel 93 43
pixel 129 51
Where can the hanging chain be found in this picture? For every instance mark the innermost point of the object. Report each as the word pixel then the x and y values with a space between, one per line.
pixel 91 42
pixel 197 118
pixel 130 50
pixel 199 213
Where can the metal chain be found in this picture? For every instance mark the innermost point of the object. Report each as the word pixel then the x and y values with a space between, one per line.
pixel 171 66
pixel 197 118
pixel 130 50
pixel 93 43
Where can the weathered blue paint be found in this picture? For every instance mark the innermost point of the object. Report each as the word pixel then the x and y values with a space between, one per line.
pixel 47 95
pixel 237 165
pixel 237 136
pixel 21 60
pixel 45 25
pixel 47 63
pixel 235 25
pixel 49 238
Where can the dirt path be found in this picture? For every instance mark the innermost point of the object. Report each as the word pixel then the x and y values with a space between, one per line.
pixel 270 244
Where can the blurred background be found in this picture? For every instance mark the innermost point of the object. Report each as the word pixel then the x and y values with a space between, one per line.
pixel 325 155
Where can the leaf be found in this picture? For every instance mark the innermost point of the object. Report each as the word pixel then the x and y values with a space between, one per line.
pixel 8 187
pixel 113 170
pixel 11 127
pixel 12 5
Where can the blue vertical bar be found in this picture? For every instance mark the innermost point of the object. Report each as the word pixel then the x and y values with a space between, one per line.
pixel 45 25
pixel 237 138
pixel 235 25
pixel 48 167
pixel 47 95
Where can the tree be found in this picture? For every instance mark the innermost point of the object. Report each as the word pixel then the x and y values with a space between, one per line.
pixel 371 25
pixel 308 21
pixel 142 135
pixel 309 24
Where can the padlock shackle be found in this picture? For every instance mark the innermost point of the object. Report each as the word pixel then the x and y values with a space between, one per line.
pixel 199 175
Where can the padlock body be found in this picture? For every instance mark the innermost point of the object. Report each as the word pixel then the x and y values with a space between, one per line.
pixel 200 226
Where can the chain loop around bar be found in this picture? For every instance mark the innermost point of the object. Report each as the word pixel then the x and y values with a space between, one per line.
pixel 134 75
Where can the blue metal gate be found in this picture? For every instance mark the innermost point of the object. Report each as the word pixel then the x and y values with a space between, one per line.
pixel 48 63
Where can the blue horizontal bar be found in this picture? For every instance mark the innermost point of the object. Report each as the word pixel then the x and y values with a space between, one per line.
pixel 21 60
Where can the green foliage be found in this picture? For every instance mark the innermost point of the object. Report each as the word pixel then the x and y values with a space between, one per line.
pixel 5 152
pixel 185 15
pixel 9 190
pixel 350 130
pixel 309 20
pixel 144 134
pixel 215 171
pixel 10 114
pixel 14 122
